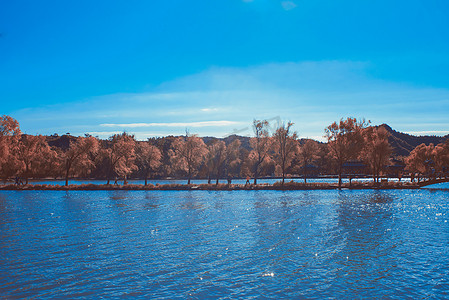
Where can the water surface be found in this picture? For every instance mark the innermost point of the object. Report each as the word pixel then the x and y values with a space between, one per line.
pixel 224 244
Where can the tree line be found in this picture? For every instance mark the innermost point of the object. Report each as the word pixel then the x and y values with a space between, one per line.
pixel 279 153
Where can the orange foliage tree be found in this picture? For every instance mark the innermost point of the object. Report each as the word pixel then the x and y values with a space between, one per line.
pixel 187 154
pixel 119 156
pixel 345 141
pixel 233 161
pixel 307 154
pixel 79 155
pixel 261 145
pixel 441 157
pixel 376 150
pixel 286 146
pixel 34 155
pixel 420 160
pixel 148 158
pixel 9 135
pixel 215 159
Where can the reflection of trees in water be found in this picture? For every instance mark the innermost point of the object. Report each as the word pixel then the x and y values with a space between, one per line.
pixel 190 223
pixel 365 220
pixel 369 212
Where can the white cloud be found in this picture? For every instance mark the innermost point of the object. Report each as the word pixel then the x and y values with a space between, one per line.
pixel 186 124
pixel 209 109
pixel 288 5
pixel 219 101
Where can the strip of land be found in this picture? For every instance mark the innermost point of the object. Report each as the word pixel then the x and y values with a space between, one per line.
pixel 213 187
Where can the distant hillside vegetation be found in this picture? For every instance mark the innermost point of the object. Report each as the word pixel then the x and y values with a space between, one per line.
pixel 402 143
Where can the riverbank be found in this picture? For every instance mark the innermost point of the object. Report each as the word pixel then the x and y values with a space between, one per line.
pixel 213 187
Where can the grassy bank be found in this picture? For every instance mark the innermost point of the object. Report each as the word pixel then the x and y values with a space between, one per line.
pixel 212 187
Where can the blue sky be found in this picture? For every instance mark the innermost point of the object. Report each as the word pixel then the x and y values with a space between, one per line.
pixel 158 67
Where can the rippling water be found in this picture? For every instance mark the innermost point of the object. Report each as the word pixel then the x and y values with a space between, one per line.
pixel 224 244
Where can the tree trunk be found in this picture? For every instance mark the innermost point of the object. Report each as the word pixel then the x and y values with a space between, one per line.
pixel 146 180
pixel 283 172
pixel 305 174
pixel 189 175
pixel 26 172
pixel 67 175
pixel 339 176
pixel 304 171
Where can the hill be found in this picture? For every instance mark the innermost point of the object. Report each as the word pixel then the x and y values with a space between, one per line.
pixel 404 143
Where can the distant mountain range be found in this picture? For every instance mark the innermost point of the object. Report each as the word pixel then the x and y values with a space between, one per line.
pixel 402 143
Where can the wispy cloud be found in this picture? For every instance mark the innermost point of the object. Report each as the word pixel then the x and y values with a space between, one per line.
pixel 288 5
pixel 221 100
pixel 209 109
pixel 187 124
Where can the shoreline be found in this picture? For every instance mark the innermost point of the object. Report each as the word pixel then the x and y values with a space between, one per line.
pixel 208 187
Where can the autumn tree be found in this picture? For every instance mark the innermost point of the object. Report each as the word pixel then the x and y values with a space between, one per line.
pixel 307 154
pixel 219 152
pixel 222 160
pixel 48 165
pixel 119 156
pixel 345 141
pixel 441 157
pixel 9 135
pixel 286 146
pixel 164 144
pixel 420 160
pixel 33 153
pixel 214 159
pixel 376 149
pixel 148 158
pixel 79 155
pixel 323 160
pixel 187 154
pixel 207 167
pixel 260 145
pixel 233 160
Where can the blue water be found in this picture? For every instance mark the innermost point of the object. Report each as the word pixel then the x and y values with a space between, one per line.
pixel 224 244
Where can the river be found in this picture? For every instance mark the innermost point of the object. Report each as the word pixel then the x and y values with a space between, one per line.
pixel 224 244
